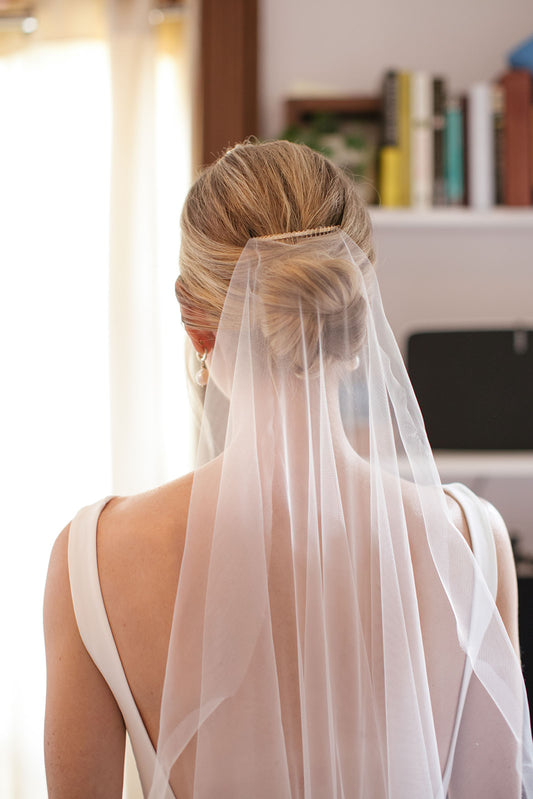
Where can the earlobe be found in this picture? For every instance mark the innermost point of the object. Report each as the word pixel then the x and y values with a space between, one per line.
pixel 202 340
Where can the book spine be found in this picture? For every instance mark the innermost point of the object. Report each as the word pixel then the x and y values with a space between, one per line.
pixel 421 140
pixel 390 161
pixel 439 124
pixel 453 159
pixel 390 109
pixel 497 121
pixel 517 137
pixel 531 147
pixel 480 146
pixel 463 103
pixel 390 177
pixel 404 138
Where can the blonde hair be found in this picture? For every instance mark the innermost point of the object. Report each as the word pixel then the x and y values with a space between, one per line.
pixel 263 190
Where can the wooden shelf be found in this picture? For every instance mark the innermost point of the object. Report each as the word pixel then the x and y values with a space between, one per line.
pixel 453 218
pixel 297 110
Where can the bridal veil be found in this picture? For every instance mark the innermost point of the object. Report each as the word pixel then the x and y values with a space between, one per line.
pixel 333 634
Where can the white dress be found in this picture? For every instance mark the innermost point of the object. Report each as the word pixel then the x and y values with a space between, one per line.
pixel 95 631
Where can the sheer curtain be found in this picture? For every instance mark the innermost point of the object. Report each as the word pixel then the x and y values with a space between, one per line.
pixel 94 163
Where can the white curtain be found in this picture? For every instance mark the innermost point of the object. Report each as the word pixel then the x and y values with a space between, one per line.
pixel 94 164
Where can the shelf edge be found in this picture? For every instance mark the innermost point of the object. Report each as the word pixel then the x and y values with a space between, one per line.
pixel 497 218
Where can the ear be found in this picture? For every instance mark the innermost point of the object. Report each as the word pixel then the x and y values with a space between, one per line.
pixel 202 340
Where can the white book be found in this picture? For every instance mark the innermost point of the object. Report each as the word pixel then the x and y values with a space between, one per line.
pixel 481 185
pixel 421 140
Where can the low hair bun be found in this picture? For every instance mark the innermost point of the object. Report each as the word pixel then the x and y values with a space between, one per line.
pixel 310 302
pixel 268 189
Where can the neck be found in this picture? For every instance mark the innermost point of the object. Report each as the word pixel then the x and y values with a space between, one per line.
pixel 302 409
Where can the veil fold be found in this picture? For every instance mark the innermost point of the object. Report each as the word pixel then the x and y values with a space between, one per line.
pixel 333 634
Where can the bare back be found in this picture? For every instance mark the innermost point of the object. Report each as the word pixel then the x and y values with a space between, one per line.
pixel 140 546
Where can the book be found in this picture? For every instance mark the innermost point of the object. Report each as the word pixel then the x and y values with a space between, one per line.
pixel 480 146
pixel 454 152
pixel 463 103
pixel 390 179
pixel 497 121
pixel 531 149
pixel 439 126
pixel 390 172
pixel 404 137
pixel 421 140
pixel 517 134
pixel 390 109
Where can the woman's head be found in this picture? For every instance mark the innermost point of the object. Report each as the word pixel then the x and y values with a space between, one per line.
pixel 257 190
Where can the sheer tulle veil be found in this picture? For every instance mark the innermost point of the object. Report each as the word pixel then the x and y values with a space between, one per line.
pixel 333 635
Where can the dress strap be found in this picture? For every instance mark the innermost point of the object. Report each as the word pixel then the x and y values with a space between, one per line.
pixel 484 551
pixel 97 636
pixel 480 530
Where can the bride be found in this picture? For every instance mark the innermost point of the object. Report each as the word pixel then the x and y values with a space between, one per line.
pixel 309 613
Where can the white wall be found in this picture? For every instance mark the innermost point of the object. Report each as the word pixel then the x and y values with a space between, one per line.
pixel 455 277
pixel 345 45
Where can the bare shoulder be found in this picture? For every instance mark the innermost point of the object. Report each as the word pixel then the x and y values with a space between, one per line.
pixel 129 526
pixel 502 540
pixel 57 579
pixel 140 546
pixel 148 517
pixel 84 730
pixel 58 614
pixel 507 594
pixel 140 543
pixel 59 621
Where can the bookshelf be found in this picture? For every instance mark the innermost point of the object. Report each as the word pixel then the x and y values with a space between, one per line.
pixel 431 263
pixel 430 161
pixel 459 268
pixel 453 218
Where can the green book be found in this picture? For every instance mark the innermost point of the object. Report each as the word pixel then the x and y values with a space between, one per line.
pixel 454 153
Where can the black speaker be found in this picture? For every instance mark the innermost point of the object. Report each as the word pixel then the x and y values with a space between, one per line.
pixel 474 387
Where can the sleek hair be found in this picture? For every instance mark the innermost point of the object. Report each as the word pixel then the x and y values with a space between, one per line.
pixel 266 189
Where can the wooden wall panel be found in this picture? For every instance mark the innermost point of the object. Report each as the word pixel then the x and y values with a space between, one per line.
pixel 227 92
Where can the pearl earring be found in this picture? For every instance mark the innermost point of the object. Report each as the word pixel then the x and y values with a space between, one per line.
pixel 202 375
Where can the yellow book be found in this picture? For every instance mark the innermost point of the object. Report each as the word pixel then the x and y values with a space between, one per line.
pixel 390 187
pixel 404 137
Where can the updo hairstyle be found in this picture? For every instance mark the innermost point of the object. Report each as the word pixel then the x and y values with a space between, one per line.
pixel 263 190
